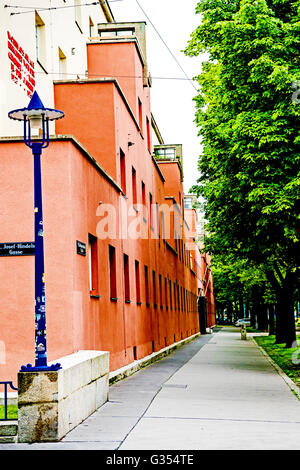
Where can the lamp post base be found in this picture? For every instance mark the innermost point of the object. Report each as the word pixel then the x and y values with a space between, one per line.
pixel 30 368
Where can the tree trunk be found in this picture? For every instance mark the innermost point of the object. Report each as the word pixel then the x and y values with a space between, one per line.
pixel 280 320
pixel 271 309
pixel 289 311
pixel 253 316
pixel 241 307
pixel 229 312
pixel 285 321
pixel 264 317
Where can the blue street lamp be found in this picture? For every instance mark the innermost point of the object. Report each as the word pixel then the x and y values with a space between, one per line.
pixel 36 116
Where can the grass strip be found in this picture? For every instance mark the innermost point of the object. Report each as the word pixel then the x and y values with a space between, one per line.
pixel 12 412
pixel 288 359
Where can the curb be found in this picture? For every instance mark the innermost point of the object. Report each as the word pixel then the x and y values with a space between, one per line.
pixel 294 388
pixel 135 366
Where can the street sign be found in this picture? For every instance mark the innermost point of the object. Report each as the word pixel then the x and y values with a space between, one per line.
pixel 81 248
pixel 17 249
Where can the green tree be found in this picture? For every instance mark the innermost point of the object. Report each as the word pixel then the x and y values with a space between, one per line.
pixel 242 287
pixel 249 124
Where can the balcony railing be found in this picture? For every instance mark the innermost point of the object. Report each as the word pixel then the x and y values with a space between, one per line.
pixel 168 153
pixel 6 385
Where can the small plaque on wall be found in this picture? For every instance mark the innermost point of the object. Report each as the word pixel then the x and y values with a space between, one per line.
pixel 81 248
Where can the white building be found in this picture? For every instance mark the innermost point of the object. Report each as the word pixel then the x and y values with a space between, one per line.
pixel 42 41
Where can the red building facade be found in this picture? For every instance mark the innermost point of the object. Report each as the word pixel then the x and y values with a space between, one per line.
pixel 119 273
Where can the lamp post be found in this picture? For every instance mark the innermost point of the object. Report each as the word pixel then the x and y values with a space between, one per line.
pixel 36 116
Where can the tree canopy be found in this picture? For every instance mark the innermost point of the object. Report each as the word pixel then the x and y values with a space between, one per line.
pixel 248 119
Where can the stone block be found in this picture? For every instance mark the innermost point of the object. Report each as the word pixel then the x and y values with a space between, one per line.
pixel 8 439
pixel 8 428
pixel 52 403
pixel 38 422
pixel 100 366
pixel 37 387
pixel 102 386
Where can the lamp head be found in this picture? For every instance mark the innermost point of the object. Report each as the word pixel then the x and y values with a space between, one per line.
pixel 35 116
pixel 35 109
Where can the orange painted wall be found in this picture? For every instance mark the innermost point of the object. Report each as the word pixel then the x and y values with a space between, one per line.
pixel 75 188
pixel 122 62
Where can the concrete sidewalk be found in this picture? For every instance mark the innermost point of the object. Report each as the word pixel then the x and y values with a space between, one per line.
pixel 218 392
pixel 228 396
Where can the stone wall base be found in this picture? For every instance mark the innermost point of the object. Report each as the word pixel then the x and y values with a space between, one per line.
pixel 52 403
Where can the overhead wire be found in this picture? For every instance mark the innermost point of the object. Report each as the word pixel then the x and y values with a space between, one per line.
pixel 33 9
pixel 166 45
pixel 91 76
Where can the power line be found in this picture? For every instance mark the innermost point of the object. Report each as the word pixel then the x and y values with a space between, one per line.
pixel 177 62
pixel 115 76
pixel 33 9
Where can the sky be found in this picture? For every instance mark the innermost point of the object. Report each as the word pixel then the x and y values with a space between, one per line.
pixel 172 100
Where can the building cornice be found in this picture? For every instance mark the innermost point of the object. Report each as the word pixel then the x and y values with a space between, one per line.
pixel 158 169
pixel 79 146
pixel 172 161
pixel 85 81
pixel 156 130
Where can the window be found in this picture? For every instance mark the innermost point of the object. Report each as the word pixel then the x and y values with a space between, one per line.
pixel 137 282
pixel 125 32
pixel 171 300
pixel 166 153
pixel 181 298
pixel 40 40
pixel 148 134
pixel 93 265
pixel 188 202
pixel 62 63
pixel 107 34
pixel 112 273
pixel 120 32
pixel 150 209
pixel 134 196
pixel 123 171
pixel 140 110
pixel 160 291
pixel 154 289
pixel 175 306
pixel 144 199
pixel 126 278
pixel 166 293
pixel 147 286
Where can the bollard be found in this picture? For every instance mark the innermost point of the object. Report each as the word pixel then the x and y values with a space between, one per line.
pixel 243 332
